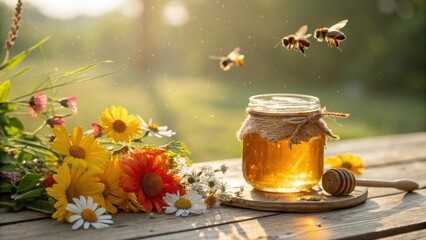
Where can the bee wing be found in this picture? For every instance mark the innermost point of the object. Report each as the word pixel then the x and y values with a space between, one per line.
pixel 306 36
pixel 338 25
pixel 278 43
pixel 234 54
pixel 302 30
pixel 215 57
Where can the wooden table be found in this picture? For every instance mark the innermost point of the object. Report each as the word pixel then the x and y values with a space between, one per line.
pixel 386 213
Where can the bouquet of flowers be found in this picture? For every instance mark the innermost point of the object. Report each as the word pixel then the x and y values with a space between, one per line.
pixel 82 176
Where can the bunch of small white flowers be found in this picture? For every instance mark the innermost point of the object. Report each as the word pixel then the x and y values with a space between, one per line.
pixel 207 183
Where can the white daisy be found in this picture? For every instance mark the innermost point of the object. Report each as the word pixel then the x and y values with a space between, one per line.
pixel 155 130
pixel 191 177
pixel 183 206
pixel 211 183
pixel 87 213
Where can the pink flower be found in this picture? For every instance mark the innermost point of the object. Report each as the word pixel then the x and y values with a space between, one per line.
pixel 97 129
pixel 37 104
pixel 52 121
pixel 12 177
pixel 70 102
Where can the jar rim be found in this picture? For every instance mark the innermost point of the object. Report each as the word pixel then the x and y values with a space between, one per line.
pixel 283 103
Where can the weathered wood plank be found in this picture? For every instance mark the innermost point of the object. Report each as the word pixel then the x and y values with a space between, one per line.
pixel 383 150
pixel 130 224
pixel 417 138
pixel 415 235
pixel 357 143
pixel 13 217
pixel 379 217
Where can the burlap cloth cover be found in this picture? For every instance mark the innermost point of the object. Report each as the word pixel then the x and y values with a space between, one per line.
pixel 297 127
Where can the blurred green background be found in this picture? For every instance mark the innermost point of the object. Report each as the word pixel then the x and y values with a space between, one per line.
pixel 162 69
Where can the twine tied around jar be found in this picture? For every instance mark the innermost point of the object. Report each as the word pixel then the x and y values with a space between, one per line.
pixel 296 127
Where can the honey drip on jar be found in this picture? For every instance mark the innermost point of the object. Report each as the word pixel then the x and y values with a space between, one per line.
pixel 274 167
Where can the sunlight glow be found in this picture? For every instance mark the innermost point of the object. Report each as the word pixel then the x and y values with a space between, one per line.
pixel 175 13
pixel 67 10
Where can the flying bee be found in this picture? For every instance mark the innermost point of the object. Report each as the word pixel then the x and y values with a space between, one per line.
pixel 233 57
pixel 297 41
pixel 331 35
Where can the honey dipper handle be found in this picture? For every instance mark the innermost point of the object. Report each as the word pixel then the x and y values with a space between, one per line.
pixel 402 184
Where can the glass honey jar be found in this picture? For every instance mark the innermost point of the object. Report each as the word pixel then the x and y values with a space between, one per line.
pixel 283 142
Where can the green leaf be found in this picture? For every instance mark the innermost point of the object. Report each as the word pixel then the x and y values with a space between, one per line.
pixel 9 167
pixel 32 148
pixel 32 143
pixel 18 206
pixel 12 63
pixel 4 91
pixel 6 187
pixel 28 182
pixel 177 149
pixel 14 127
pixel 7 202
pixel 7 107
pixel 79 70
pixel 21 72
pixel 5 158
pixel 34 193
pixel 41 206
pixel 25 156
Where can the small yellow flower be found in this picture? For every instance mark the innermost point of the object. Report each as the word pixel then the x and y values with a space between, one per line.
pixel 73 182
pixel 110 197
pixel 79 149
pixel 130 202
pixel 51 161
pixel 118 125
pixel 351 162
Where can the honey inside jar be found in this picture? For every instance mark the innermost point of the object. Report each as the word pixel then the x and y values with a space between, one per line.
pixel 283 142
pixel 274 167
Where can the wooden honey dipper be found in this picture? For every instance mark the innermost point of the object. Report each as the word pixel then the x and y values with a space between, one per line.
pixel 339 182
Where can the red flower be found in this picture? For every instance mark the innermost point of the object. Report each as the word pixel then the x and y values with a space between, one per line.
pixel 37 104
pixel 146 173
pixel 70 102
pixel 52 121
pixel 97 129
pixel 48 181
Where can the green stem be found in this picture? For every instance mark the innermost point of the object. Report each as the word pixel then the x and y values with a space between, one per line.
pixel 61 85
pixel 6 58
pixel 38 129
pixel 141 138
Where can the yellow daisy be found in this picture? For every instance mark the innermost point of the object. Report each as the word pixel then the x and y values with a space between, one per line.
pixel 79 149
pixel 110 197
pixel 351 162
pixel 51 161
pixel 118 125
pixel 73 182
pixel 130 202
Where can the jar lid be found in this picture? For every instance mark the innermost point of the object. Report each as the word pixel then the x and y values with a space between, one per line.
pixel 283 103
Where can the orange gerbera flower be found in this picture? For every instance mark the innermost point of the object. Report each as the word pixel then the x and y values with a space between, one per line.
pixel 146 173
